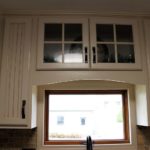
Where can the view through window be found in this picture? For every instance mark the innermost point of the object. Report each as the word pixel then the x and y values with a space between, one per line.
pixel 72 116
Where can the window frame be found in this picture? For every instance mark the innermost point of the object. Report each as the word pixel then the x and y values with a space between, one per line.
pixel 124 94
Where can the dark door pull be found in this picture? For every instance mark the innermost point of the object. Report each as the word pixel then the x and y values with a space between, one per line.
pixel 86 54
pixel 23 109
pixel 94 54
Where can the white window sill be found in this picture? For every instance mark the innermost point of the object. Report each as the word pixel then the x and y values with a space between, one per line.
pixel 97 85
pixel 95 147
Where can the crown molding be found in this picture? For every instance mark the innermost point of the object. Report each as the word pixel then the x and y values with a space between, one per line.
pixel 64 12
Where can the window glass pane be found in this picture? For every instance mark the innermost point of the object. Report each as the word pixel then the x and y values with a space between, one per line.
pixel 53 32
pixel 73 32
pixel 105 53
pixel 52 53
pixel 104 32
pixel 124 33
pixel 103 113
pixel 125 54
pixel 73 53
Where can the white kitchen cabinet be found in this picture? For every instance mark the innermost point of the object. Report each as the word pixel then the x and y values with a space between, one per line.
pixel 15 89
pixel 88 43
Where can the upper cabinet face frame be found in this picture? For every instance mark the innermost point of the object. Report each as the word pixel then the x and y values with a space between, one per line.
pixel 118 49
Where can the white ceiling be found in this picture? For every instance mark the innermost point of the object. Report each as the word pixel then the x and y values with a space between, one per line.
pixel 142 6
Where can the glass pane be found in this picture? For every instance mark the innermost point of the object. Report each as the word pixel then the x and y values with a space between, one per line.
pixel 53 32
pixel 97 115
pixel 52 53
pixel 124 33
pixel 125 54
pixel 73 53
pixel 73 32
pixel 105 53
pixel 104 32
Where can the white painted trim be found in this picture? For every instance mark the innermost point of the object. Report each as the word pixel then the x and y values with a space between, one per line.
pixel 64 12
pixel 80 85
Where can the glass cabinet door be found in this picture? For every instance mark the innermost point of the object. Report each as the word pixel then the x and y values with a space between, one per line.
pixel 114 44
pixel 64 44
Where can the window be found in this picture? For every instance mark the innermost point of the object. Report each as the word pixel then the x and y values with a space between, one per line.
pixel 105 116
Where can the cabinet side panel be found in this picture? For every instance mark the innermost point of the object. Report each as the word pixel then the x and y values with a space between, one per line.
pixel 147 47
pixel 141 105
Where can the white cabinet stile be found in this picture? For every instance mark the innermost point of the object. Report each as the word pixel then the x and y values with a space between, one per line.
pixel 145 107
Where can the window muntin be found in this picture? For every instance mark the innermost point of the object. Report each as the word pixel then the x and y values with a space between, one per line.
pixel 73 105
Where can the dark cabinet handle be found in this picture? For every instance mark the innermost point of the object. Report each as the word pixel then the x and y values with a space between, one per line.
pixel 86 54
pixel 23 109
pixel 86 59
pixel 94 54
